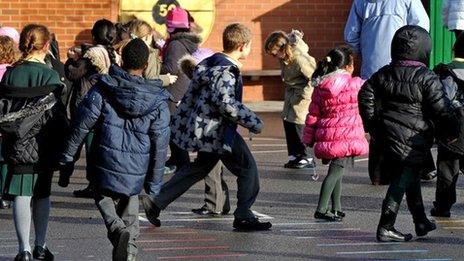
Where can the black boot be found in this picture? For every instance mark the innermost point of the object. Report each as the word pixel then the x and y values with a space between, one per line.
pixel 422 224
pixel 386 231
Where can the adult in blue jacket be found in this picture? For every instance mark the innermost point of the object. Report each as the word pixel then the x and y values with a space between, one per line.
pixel 130 118
pixel 372 24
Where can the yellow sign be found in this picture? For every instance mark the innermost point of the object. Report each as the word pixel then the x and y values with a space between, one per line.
pixel 154 12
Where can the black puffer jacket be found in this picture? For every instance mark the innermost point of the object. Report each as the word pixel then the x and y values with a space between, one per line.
pixel 34 126
pixel 403 101
pixel 178 46
pixel 452 78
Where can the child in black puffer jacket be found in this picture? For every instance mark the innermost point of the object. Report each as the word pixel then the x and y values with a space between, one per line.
pixel 400 105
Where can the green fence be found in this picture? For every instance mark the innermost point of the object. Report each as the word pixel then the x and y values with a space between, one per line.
pixel 442 39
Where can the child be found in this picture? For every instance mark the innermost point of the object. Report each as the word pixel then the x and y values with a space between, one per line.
pixel 450 156
pixel 398 104
pixel 297 68
pixel 84 62
pixel 333 125
pixel 8 56
pixel 144 31
pixel 127 113
pixel 32 120
pixel 207 121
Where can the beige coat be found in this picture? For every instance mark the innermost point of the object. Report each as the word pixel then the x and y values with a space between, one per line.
pixel 297 79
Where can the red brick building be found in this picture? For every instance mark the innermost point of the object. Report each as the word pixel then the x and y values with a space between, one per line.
pixel 322 21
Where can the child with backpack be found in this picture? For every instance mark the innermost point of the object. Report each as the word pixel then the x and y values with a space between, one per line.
pixel 333 125
pixel 450 156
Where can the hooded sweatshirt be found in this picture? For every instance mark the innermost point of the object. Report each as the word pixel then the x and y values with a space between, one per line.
pixel 128 113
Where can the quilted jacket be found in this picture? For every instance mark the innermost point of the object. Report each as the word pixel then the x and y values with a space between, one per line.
pixel 130 119
pixel 333 122
pixel 212 108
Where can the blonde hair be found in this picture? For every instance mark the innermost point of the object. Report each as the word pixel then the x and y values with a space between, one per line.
pixel 280 40
pixel 234 36
pixel 33 38
pixel 140 28
pixel 8 50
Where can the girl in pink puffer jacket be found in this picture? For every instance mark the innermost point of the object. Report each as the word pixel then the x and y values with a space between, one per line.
pixel 334 126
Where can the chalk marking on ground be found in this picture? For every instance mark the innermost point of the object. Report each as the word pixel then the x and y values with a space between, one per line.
pixel 186 248
pixel 202 256
pixel 359 244
pixel 384 252
pixel 320 229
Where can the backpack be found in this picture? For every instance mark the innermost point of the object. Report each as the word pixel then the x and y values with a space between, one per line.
pixel 456 96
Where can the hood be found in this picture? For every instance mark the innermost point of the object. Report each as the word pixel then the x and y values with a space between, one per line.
pixel 190 40
pixel 132 96
pixel 457 67
pixel 333 83
pixel 411 42
pixel 216 62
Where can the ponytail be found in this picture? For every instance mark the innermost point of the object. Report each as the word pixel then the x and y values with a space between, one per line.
pixel 33 38
pixel 104 32
pixel 336 59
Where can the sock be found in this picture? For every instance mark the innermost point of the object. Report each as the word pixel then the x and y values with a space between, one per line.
pixel 41 212
pixel 22 221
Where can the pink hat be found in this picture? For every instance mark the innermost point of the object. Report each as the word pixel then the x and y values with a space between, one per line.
pixel 177 18
pixel 10 32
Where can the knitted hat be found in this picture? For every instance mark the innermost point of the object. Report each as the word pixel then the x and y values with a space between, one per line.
pixel 177 18
pixel 135 54
pixel 10 32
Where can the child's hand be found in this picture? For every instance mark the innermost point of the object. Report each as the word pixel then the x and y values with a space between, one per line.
pixel 172 78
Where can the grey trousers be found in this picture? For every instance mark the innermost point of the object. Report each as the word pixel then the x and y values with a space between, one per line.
pixel 216 191
pixel 240 162
pixel 119 213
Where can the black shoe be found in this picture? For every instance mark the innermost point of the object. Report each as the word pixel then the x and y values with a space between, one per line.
pixel 422 228
pixel 250 224
pixel 23 256
pixel 391 235
pixel 5 204
pixel 120 251
pixel 338 213
pixel 88 192
pixel 41 253
pixel 300 163
pixel 439 213
pixel 151 211
pixel 204 211
pixel 327 217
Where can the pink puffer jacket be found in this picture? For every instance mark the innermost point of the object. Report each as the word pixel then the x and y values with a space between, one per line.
pixel 333 124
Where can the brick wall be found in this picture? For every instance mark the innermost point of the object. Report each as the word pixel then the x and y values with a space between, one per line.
pixel 322 21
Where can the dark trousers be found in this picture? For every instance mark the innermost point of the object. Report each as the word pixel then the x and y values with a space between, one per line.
pixel 240 162
pixel 406 179
pixel 293 133
pixel 447 177
pixel 179 157
pixel 120 212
